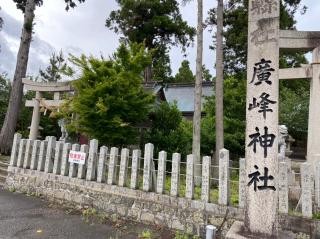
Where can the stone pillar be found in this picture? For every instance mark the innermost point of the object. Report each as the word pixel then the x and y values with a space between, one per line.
pixel 314 109
pixel 92 160
pixel 65 159
pixel 317 181
pixel 242 182
pixel 48 168
pixel 283 188
pixel 136 155
pixel 175 174
pixel 15 149
pixel 306 189
pixel 42 155
pixel 57 158
pixel 101 173
pixel 22 151
pixel 262 122
pixel 205 185
pixel 224 177
pixel 112 169
pixel 35 154
pixel 73 167
pixel 82 167
pixel 123 167
pixel 34 128
pixel 161 179
pixel 28 154
pixel 189 177
pixel 147 176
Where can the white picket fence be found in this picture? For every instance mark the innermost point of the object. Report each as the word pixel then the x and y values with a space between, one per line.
pixel 124 168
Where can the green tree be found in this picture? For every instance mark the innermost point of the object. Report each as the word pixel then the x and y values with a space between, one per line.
pixel 184 74
pixel 169 131
pixel 234 118
pixel 236 32
pixel 109 100
pixel 57 67
pixel 11 119
pixel 4 96
pixel 156 23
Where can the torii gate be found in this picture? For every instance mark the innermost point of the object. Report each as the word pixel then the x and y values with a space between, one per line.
pixel 307 41
pixel 38 102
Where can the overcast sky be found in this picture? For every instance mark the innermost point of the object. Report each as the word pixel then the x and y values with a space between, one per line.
pixel 83 30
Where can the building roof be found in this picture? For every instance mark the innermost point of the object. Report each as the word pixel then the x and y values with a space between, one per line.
pixel 183 94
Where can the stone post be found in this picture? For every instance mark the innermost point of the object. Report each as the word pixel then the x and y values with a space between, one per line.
pixel 73 168
pixel 28 154
pixel 224 177
pixel 136 155
pixel 82 167
pixel 48 168
pixel 262 122
pixel 283 188
pixel 306 189
pixel 242 182
pixel 175 174
pixel 65 159
pixel 34 128
pixel 314 109
pixel 35 154
pixel 123 167
pixel 22 151
pixel 317 181
pixel 112 169
pixel 147 176
pixel 101 173
pixel 189 177
pixel 92 160
pixel 57 158
pixel 15 149
pixel 161 179
pixel 42 154
pixel 205 185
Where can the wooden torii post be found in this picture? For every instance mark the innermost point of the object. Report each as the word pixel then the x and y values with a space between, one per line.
pixel 38 102
pixel 307 41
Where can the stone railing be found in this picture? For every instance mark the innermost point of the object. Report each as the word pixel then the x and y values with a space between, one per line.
pixel 114 182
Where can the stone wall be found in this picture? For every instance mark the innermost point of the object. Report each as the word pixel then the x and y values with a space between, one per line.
pixel 147 207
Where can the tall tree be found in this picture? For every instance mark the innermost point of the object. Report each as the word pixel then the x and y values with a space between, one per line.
pixel 219 82
pixel 1 23
pixel 184 74
pixel 57 66
pixel 156 23
pixel 10 122
pixel 236 32
pixel 198 93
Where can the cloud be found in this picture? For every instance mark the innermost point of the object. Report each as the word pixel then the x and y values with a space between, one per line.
pixel 39 54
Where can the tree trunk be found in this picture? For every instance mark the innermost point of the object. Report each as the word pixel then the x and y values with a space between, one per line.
pixel 219 84
pixel 11 119
pixel 197 98
pixel 148 74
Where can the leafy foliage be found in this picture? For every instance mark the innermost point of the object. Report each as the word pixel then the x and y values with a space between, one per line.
pixel 236 31
pixel 4 96
pixel 184 73
pixel 234 118
pixel 109 100
pixel 169 131
pixel 22 3
pixel 57 67
pixel 156 23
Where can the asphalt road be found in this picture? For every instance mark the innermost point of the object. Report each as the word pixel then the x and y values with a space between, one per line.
pixel 29 217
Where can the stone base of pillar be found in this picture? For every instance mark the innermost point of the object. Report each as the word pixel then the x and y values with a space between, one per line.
pixel 237 231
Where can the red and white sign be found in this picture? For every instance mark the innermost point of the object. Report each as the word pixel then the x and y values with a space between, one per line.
pixel 77 157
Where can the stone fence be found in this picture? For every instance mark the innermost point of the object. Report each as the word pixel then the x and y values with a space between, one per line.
pixel 112 181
